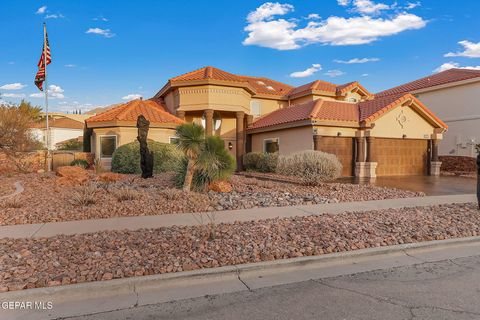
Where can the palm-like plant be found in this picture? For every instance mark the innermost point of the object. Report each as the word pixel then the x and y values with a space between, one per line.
pixel 191 140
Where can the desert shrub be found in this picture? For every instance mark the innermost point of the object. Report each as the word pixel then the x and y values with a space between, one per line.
pixel 126 193
pixel 84 195
pixel 213 163
pixel 126 159
pixel 13 202
pixel 80 163
pixel 260 161
pixel 312 167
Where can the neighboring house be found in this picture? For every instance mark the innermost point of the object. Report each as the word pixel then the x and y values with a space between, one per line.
pixel 117 126
pixel 396 135
pixel 61 129
pixel 454 96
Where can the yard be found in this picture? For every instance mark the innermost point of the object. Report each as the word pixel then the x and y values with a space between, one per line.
pixel 46 200
pixel 61 260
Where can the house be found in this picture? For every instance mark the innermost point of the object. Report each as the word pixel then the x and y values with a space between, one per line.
pixel 454 96
pixel 62 128
pixel 117 126
pixel 394 135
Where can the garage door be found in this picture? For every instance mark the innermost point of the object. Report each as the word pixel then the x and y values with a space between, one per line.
pixel 396 157
pixel 341 147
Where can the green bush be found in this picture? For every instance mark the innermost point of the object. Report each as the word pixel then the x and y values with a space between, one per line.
pixel 214 163
pixel 126 158
pixel 260 161
pixel 312 167
pixel 80 163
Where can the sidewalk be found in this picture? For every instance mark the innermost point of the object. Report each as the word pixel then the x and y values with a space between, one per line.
pixel 187 219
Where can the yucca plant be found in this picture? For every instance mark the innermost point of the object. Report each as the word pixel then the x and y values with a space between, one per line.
pixel 191 140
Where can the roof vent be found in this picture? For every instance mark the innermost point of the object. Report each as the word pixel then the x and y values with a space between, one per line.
pixel 261 83
pixel 270 88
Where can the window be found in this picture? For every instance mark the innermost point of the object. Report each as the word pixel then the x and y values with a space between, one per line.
pixel 255 108
pixel 271 145
pixel 108 144
pixel 352 100
pixel 173 140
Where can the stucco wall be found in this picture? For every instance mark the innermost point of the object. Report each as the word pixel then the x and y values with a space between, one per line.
pixel 459 108
pixel 57 135
pixel 291 140
pixel 402 121
pixel 126 135
pixel 214 97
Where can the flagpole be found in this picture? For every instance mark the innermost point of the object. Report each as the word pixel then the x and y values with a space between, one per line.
pixel 46 95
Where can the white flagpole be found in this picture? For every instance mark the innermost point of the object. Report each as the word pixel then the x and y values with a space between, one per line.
pixel 46 96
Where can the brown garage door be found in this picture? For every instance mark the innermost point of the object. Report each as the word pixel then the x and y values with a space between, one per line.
pixel 396 157
pixel 341 147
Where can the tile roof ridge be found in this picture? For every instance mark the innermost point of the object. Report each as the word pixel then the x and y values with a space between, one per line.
pixel 187 73
pixel 127 108
pixel 317 105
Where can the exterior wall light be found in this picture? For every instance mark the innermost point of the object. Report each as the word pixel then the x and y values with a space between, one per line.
pixel 404 136
pixel 339 134
pixel 230 146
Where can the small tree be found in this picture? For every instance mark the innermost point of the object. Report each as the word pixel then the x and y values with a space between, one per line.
pixel 191 140
pixel 15 133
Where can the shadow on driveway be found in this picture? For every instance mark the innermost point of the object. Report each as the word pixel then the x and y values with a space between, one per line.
pixel 432 186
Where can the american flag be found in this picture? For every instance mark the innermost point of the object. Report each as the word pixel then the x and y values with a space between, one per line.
pixel 40 76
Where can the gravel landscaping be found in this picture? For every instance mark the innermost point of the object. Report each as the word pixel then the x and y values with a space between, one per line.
pixel 45 200
pixel 30 263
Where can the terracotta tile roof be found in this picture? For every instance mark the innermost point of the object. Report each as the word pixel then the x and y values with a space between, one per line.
pixel 315 85
pixel 444 77
pixel 267 86
pixel 318 109
pixel 375 108
pixel 339 111
pixel 64 122
pixel 153 111
pixel 207 73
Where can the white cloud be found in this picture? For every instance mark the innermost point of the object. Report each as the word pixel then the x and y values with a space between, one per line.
pixel 470 50
pixel 41 10
pixel 412 5
pixel 357 60
pixel 451 65
pixel 365 75
pixel 13 86
pixel 54 16
pixel 265 31
pixel 307 72
pixel 313 16
pixel 54 92
pixel 343 3
pixel 132 96
pixel 100 18
pixel 70 65
pixel 369 7
pixel 267 10
pixel 13 95
pixel 334 73
pixel 103 32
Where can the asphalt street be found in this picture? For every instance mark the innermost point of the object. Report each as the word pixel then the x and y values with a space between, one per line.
pixel 448 289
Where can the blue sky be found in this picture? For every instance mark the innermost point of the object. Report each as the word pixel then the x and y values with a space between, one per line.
pixel 104 51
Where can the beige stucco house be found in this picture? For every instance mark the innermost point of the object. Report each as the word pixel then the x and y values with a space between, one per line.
pixel 454 96
pixel 394 135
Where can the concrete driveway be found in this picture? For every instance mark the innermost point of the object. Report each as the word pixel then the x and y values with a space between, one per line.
pixel 432 186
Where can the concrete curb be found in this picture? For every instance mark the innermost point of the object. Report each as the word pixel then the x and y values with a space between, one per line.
pixel 103 296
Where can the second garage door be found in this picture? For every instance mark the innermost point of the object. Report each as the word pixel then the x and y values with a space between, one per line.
pixel 398 157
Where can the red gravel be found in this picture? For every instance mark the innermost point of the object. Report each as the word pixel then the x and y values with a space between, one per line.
pixel 29 263
pixel 44 200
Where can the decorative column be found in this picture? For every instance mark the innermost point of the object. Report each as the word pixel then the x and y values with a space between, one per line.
pixel 208 122
pixel 360 149
pixel 435 162
pixel 240 133
pixel 249 120
pixel 316 142
pixel 370 153
pixel 181 114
